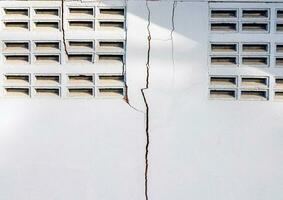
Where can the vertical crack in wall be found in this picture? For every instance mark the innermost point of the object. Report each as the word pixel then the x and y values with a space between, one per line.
pixel 63 28
pixel 146 102
pixel 172 39
pixel 126 96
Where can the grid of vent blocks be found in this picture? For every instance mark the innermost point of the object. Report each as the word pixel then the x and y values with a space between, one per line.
pixel 52 52
pixel 245 54
pixel 50 85
pixel 245 20
pixel 96 51
pixel 90 18
pixel 240 53
pixel 245 87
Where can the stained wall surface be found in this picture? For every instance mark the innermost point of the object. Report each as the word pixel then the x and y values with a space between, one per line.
pixel 199 148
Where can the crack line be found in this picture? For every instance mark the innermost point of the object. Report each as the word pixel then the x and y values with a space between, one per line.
pixel 126 97
pixel 63 28
pixel 146 103
pixel 172 39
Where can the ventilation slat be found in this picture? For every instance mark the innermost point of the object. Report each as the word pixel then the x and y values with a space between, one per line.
pixel 224 81
pixel 223 60
pixel 279 82
pixel 111 79
pixel 47 79
pixel 14 46
pixel 17 79
pixel 279 13
pixel 17 92
pixel 222 94
pixel 254 95
pixel 258 82
pixel 279 62
pixel 47 25
pixel 81 11
pixel 80 57
pixel 255 48
pixel 16 25
pixel 112 11
pixel 80 92
pixel 81 44
pixel 47 92
pixel 17 58
pixel 81 24
pixel 255 27
pixel 279 48
pixel 47 12
pixel 278 95
pixel 262 61
pixel 80 79
pixel 223 13
pixel 105 44
pixel 47 58
pixel 47 45
pixel 225 27
pixel 111 92
pixel 111 25
pixel 224 48
pixel 255 14
pixel 16 12
pixel 111 58
pixel 279 27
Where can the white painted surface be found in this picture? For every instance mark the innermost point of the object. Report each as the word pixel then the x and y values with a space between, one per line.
pixel 94 149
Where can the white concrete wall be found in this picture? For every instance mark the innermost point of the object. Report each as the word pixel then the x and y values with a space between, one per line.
pixel 54 149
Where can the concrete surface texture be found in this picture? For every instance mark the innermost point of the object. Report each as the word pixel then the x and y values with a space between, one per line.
pixel 170 141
